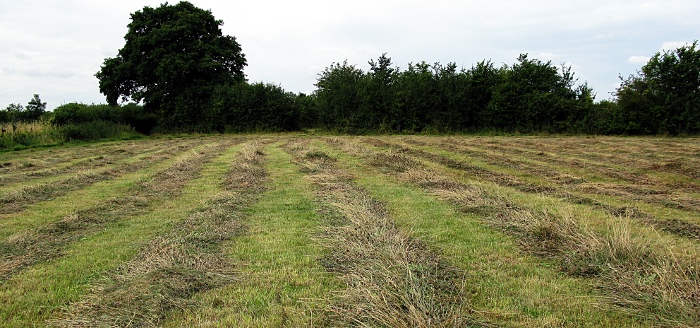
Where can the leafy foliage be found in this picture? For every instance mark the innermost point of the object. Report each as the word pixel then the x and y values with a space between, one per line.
pixel 339 96
pixel 533 96
pixel 35 108
pixel 129 115
pixel 665 96
pixel 174 58
pixel 528 96
pixel 252 107
pixel 14 113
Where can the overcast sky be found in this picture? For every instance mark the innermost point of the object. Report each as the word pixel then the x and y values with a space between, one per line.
pixel 54 48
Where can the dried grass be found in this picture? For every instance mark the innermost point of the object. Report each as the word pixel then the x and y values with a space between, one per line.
pixel 173 267
pixel 642 276
pixel 392 279
pixel 49 241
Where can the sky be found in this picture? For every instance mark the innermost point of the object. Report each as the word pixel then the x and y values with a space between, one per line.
pixel 54 48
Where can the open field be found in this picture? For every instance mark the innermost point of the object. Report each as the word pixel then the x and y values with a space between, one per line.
pixel 380 231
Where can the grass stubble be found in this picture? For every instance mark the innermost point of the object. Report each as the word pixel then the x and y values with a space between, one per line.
pixel 21 197
pixel 679 227
pixel 25 168
pixel 47 242
pixel 280 282
pixel 69 255
pixel 647 277
pixel 392 279
pixel 173 267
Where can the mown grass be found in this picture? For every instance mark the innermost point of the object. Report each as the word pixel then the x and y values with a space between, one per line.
pixel 279 281
pixel 392 279
pixel 640 269
pixel 412 231
pixel 40 291
pixel 52 166
pixel 65 205
pixel 651 210
pixel 506 286
pixel 170 268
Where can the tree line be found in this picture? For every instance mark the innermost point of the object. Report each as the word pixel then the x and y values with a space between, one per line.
pixel 177 72
pixel 528 96
pixel 16 113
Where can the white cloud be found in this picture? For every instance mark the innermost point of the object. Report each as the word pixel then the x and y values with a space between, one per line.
pixel 54 47
pixel 673 45
pixel 638 60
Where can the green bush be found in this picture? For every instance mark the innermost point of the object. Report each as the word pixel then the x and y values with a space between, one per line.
pixel 97 130
pixel 132 115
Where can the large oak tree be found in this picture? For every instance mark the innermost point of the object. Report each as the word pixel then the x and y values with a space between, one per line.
pixel 174 58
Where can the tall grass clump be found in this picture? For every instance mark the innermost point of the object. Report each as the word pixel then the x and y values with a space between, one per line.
pixel 642 275
pixel 22 135
pixel 97 130
pixel 92 122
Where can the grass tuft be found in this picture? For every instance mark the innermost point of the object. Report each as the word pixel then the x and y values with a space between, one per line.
pixel 392 279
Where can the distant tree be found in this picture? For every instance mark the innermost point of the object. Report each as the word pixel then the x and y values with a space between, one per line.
pixel 308 110
pixel 35 109
pixel 14 114
pixel 483 79
pixel 534 96
pixel 339 95
pixel 416 99
pixel 665 96
pixel 174 58
pixel 378 100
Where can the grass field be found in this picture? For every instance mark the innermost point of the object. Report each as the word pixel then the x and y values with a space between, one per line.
pixel 380 231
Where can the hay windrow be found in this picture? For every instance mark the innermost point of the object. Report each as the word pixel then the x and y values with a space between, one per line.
pixel 392 279
pixel 640 275
pixel 676 227
pixel 49 241
pixel 18 200
pixel 173 267
pixel 92 158
pixel 632 180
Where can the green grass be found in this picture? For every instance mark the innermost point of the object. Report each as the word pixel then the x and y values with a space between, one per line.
pixel 506 286
pixel 39 293
pixel 280 282
pixel 53 210
pixel 254 229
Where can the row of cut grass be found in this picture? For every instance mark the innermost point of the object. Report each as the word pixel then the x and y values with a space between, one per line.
pixel 680 222
pixel 338 232
pixel 89 160
pixel 50 240
pixel 41 213
pixel 42 290
pixel 19 199
pixel 634 160
pixel 279 281
pixel 171 267
pixel 392 279
pixel 44 161
pixel 506 286
pixel 590 242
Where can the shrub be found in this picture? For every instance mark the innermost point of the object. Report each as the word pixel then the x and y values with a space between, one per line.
pixel 97 130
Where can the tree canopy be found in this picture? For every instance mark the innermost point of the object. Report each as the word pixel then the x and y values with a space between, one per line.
pixel 528 96
pixel 665 96
pixel 174 58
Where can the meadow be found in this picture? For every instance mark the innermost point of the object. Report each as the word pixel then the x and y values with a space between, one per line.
pixel 378 231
